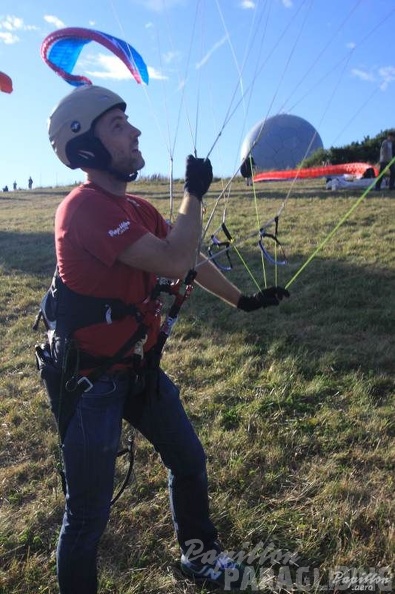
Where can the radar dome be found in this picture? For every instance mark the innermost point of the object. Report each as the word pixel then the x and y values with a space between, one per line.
pixel 281 142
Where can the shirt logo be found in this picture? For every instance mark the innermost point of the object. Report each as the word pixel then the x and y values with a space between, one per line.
pixel 122 228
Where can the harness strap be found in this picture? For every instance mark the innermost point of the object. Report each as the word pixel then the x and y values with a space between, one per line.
pixel 84 383
pixel 166 329
pixel 67 311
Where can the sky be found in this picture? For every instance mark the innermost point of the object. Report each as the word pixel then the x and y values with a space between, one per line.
pixel 217 67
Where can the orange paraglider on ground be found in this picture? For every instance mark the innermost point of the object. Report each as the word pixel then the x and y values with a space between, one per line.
pixel 357 169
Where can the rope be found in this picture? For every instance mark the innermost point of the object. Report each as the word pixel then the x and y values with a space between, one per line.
pixel 339 224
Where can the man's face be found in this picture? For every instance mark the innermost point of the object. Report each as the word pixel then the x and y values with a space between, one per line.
pixel 121 140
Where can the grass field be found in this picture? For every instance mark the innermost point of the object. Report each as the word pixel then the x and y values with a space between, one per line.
pixel 294 405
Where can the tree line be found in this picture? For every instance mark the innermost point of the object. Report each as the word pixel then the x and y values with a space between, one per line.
pixel 366 151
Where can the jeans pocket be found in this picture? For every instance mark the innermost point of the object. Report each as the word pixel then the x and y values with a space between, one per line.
pixel 106 392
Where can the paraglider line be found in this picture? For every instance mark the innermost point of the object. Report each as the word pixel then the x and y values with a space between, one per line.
pixel 339 224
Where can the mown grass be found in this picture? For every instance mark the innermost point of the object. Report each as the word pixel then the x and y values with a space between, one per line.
pixel 294 405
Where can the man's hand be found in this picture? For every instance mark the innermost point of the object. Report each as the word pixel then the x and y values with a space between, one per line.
pixel 198 176
pixel 265 298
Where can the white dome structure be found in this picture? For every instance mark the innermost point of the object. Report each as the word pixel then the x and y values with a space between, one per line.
pixel 280 142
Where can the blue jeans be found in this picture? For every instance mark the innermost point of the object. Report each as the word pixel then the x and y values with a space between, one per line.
pixel 89 454
pixel 383 165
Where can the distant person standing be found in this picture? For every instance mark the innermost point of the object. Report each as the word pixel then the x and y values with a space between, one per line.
pixel 30 183
pixel 247 169
pixel 387 152
pixel 14 185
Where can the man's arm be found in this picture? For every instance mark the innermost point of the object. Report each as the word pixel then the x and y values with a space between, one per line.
pixel 174 255
pixel 210 278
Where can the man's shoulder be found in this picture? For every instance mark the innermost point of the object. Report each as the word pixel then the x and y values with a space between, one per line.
pixel 88 193
pixel 84 201
pixel 141 204
pixel 138 201
pixel 80 193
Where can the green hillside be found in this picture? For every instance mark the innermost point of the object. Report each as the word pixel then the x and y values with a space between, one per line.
pixel 294 405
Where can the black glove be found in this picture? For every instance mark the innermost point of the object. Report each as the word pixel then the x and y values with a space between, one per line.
pixel 198 176
pixel 265 298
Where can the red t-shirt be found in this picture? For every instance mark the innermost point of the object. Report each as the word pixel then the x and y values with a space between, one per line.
pixel 92 227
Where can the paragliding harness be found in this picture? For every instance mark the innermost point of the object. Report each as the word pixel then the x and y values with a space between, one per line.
pixel 166 286
pixel 63 311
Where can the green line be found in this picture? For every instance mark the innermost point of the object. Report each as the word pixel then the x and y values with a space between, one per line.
pixel 247 268
pixel 339 224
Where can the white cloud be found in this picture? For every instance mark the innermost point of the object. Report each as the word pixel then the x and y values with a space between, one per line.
pixel 14 23
pixel 8 38
pixel 159 5
pixel 53 20
pixel 9 25
pixel 103 66
pixel 387 76
pixel 363 74
pixel 247 4
pixel 112 68
pixel 171 56
pixel 154 74
pixel 181 85
pixel 384 74
pixel 210 52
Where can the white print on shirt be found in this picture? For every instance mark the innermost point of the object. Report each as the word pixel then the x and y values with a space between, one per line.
pixel 122 228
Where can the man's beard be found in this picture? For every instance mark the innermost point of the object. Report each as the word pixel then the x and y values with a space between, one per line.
pixel 121 176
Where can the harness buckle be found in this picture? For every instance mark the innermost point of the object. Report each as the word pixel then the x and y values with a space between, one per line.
pixel 84 381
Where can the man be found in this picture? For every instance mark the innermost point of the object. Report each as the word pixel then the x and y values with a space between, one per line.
pixel 387 153
pixel 111 248
pixel 247 169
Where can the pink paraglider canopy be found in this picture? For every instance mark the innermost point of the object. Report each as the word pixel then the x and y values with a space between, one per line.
pixel 5 83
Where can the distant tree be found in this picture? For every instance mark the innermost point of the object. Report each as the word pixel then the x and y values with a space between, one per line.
pixel 366 151
pixel 316 159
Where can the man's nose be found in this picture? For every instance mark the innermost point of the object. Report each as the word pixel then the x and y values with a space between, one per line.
pixel 135 131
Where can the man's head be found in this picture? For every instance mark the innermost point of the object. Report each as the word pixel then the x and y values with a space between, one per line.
pixel 88 129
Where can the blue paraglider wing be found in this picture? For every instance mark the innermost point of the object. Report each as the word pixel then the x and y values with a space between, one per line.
pixel 61 50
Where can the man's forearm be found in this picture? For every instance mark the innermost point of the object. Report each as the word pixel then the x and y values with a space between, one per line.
pixel 210 278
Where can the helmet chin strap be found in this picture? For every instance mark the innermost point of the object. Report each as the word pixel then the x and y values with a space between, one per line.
pixel 103 159
pixel 126 177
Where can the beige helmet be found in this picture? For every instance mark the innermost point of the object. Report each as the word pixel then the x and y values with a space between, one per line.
pixel 71 123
